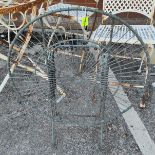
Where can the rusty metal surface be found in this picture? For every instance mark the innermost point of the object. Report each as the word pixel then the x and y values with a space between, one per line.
pixel 21 7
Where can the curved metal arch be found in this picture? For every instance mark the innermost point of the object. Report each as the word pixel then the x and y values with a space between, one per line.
pixel 88 9
pixel 132 11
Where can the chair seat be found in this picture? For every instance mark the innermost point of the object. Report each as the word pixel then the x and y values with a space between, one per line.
pixel 78 15
pixel 123 35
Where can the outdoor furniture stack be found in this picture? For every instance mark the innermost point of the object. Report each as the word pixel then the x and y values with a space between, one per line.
pixel 146 32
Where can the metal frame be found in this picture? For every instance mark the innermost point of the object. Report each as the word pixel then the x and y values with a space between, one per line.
pixel 104 58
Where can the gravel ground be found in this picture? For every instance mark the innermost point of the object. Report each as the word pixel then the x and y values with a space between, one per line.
pixel 26 128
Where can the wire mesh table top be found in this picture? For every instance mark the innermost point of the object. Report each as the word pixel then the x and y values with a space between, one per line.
pixel 146 32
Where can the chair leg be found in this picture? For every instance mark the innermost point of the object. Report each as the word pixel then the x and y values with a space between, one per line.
pixel 151 51
pixel 81 62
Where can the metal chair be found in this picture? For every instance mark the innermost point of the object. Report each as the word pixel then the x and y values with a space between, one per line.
pixel 72 75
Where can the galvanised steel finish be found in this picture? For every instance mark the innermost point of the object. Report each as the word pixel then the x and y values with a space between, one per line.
pixel 70 62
